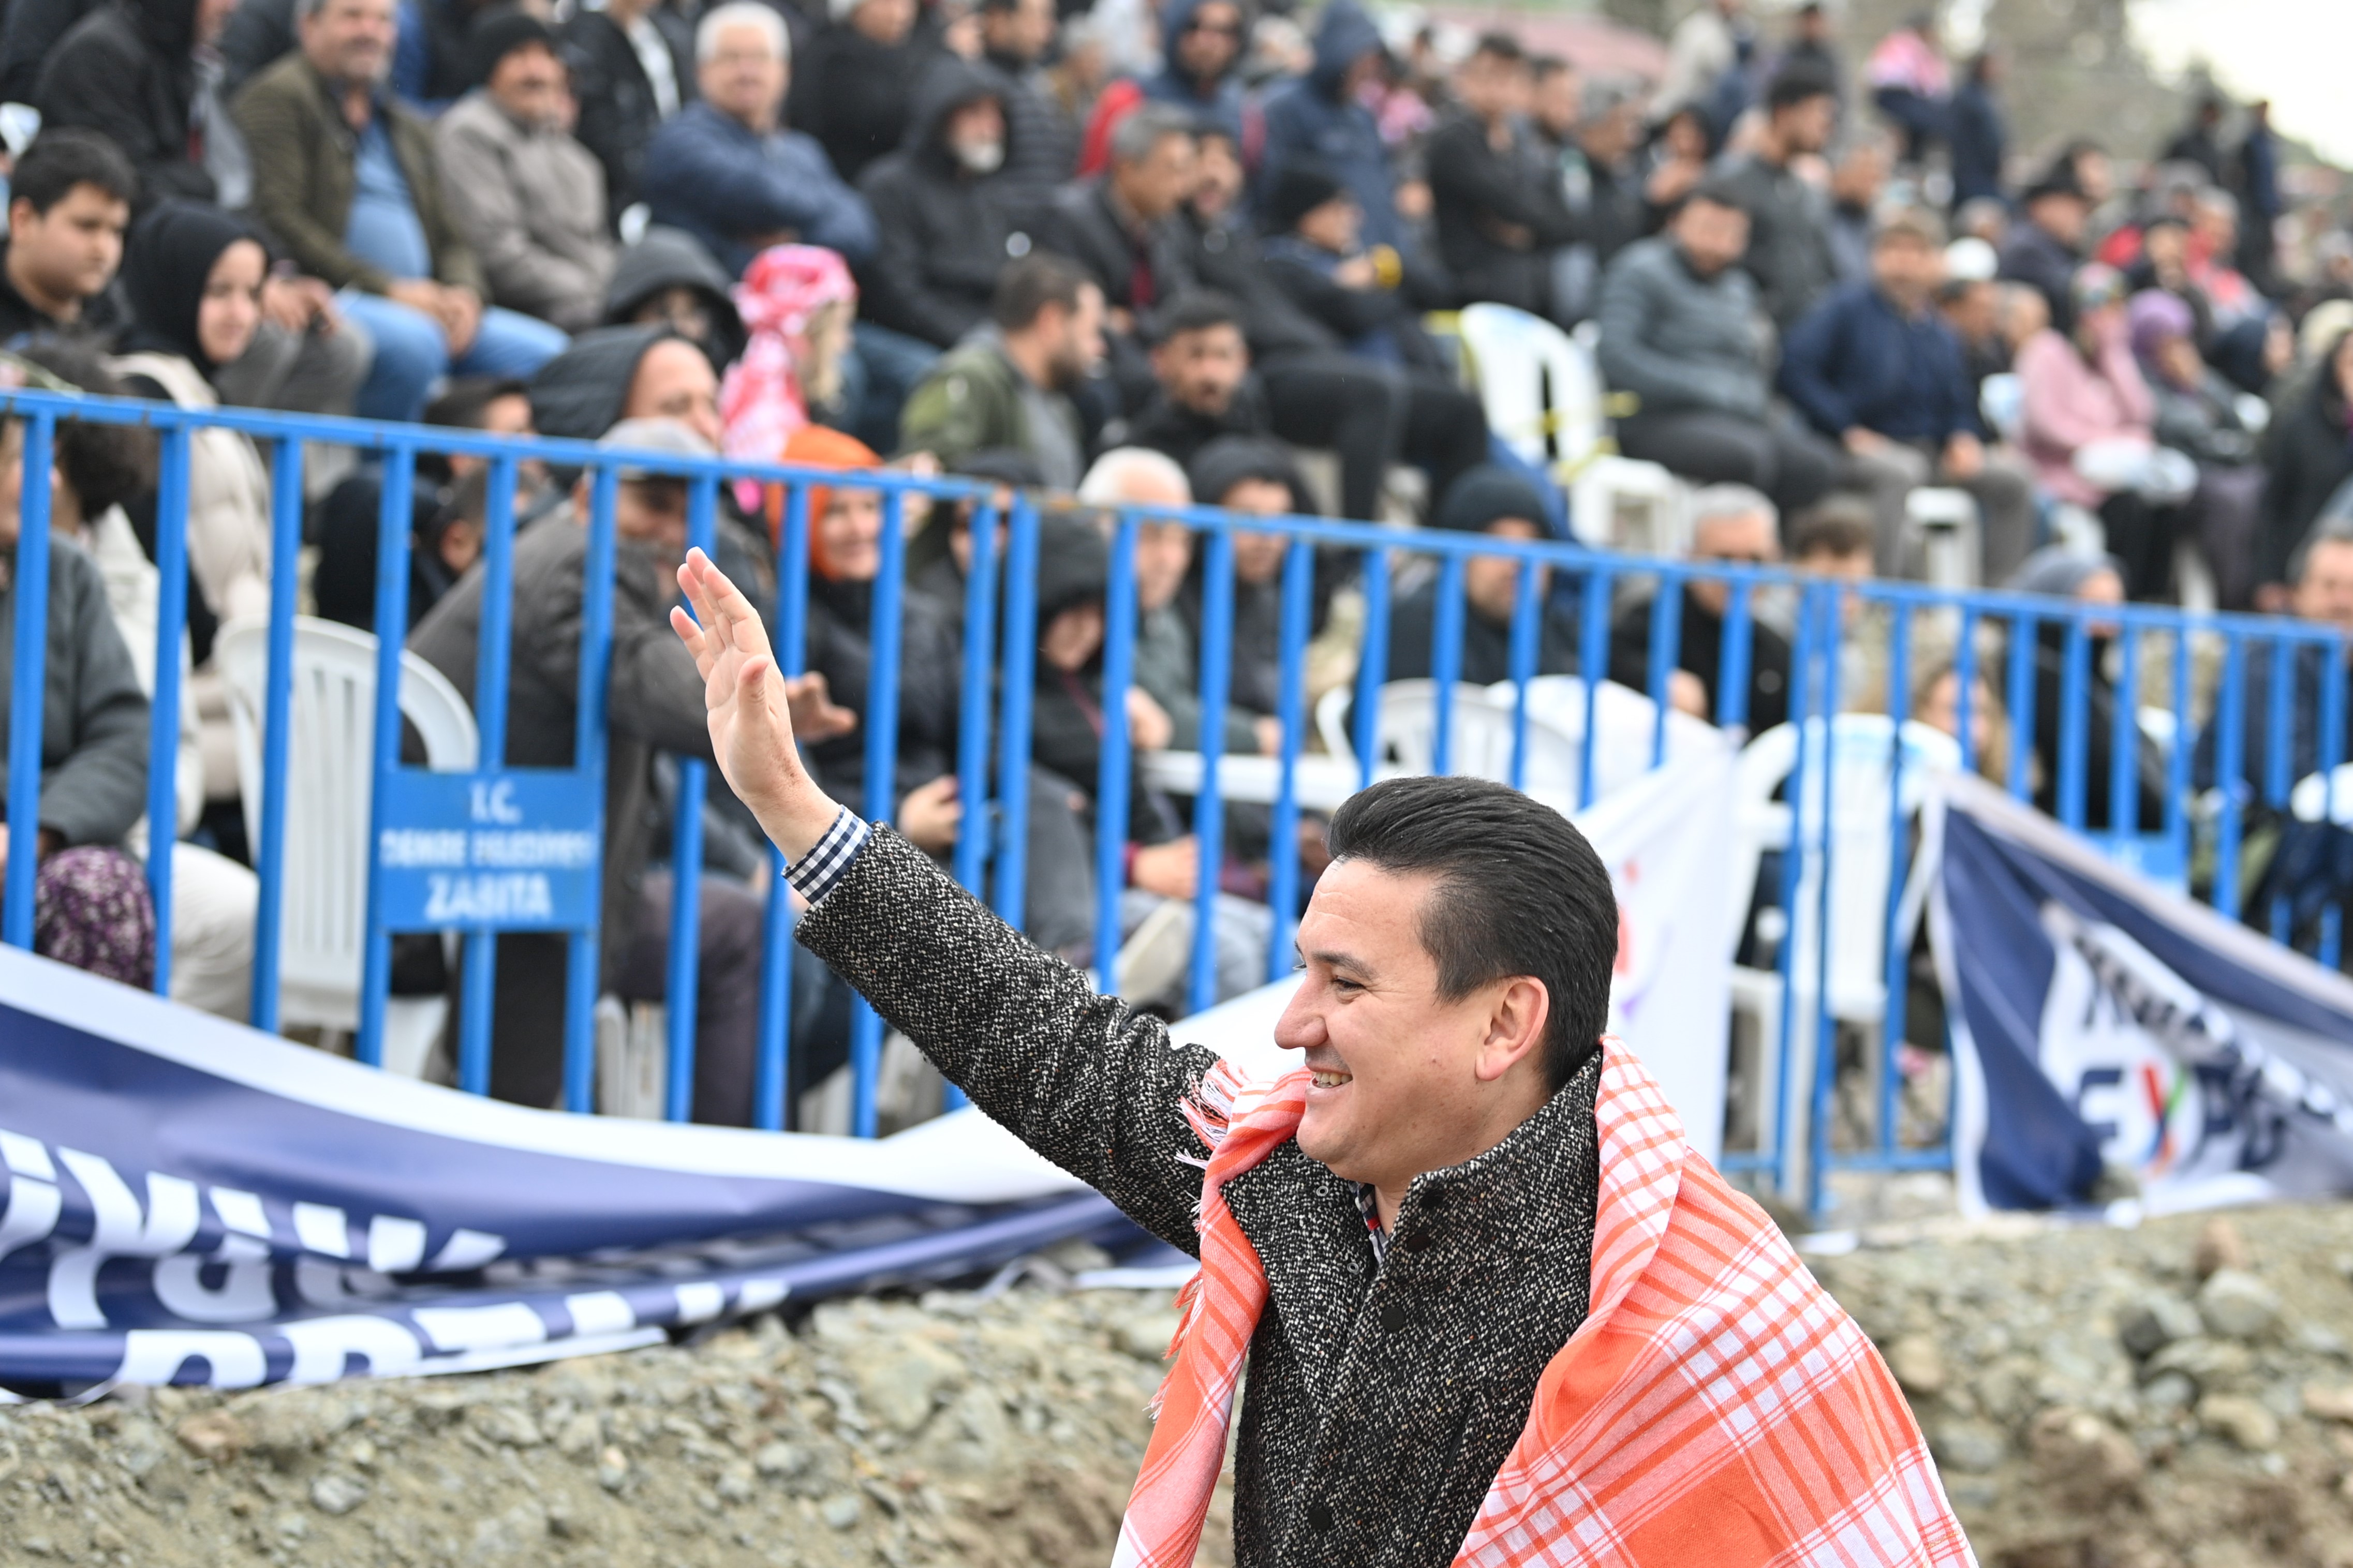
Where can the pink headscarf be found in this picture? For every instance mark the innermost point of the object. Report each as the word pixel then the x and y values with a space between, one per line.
pixel 762 402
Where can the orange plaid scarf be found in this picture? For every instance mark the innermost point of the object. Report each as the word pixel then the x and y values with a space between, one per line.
pixel 1716 1406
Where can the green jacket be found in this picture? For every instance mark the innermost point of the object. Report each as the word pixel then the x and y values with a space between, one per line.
pixel 971 400
pixel 305 160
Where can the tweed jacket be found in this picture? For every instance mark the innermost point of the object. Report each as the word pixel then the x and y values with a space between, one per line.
pixel 1379 1403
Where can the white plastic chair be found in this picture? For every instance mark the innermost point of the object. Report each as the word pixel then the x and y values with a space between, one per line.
pixel 1860 870
pixel 2002 400
pixel 330 785
pixel 2324 797
pixel 1544 397
pixel 1625 722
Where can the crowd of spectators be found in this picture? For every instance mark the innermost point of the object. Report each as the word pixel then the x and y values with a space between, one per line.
pixel 1134 255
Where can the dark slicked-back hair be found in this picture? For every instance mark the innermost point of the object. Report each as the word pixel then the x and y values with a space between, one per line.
pixel 1519 891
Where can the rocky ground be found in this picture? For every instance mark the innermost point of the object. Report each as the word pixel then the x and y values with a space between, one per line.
pixel 2178 1395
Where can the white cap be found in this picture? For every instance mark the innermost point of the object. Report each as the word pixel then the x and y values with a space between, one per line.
pixel 1969 259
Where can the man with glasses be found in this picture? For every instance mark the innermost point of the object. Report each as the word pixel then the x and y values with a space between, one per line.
pixel 1732 525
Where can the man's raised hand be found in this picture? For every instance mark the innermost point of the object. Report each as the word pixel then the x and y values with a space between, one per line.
pixel 751 708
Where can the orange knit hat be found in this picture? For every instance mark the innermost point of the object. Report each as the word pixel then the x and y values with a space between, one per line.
pixel 815 447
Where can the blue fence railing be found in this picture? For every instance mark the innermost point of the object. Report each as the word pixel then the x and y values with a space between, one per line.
pixel 2049 666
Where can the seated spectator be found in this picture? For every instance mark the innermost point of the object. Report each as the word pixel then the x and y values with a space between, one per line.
pixel 1255 476
pixel 259 33
pixel 723 170
pixel 2020 313
pixel 1678 332
pixel 1732 525
pixel 432 56
pixel 945 210
pixel 2246 339
pixel 943 576
pixel 1970 302
pixel 1009 384
pixel 650 697
pixel 1198 77
pixel 1789 251
pixel 1163 859
pixel 2197 415
pixel 1936 702
pixel 1836 538
pixel 345 179
pixel 1321 116
pixel 528 198
pixel 99 469
pixel 1017 39
pixel 632 374
pixel 1985 218
pixel 799 303
pixel 131 73
pixel 1122 228
pixel 1205 390
pixel 632 63
pixel 1497 204
pixel 1858 182
pixel 1682 147
pixel 668 279
pixel 2320 594
pixel 194 275
pixel 1912 85
pixel 1168 655
pixel 855 94
pixel 2045 247
pixel 1593 134
pixel 68 204
pixel 1978 138
pixel 1370 415
pixel 1078 78
pixel 1496 502
pixel 446 505
pixel 845 559
pixel 2088 428
pixel 2308 458
pixel 2164 264
pixel 90 904
pixel 1874 368
pixel 2087 579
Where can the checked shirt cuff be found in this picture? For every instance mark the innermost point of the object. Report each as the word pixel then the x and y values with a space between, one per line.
pixel 817 873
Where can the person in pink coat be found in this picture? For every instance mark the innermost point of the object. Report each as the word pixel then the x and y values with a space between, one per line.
pixel 2088 427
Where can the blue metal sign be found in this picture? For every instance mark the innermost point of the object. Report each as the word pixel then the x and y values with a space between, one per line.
pixel 525 859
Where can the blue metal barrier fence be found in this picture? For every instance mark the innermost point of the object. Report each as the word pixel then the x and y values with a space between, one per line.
pixel 2095 659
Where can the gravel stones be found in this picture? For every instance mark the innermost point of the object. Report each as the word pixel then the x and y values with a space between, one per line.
pixel 2156 1320
pixel 2237 1305
pixel 2242 1420
pixel 337 1494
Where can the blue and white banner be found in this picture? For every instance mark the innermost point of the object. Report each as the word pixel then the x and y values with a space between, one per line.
pixel 188 1200
pixel 2100 1021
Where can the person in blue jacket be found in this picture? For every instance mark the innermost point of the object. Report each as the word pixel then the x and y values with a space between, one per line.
pixel 725 171
pixel 1321 119
pixel 1203 53
pixel 1874 368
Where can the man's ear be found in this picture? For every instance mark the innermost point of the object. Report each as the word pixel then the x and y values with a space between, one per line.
pixel 1516 1022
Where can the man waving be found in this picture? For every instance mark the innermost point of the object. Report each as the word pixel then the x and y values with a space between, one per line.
pixel 1495 1311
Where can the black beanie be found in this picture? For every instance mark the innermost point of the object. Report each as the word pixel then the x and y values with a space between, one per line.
pixel 500 32
pixel 1231 459
pixel 1486 495
pixel 1297 190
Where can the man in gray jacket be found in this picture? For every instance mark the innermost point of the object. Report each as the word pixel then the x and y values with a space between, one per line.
pixel 528 198
pixel 1681 333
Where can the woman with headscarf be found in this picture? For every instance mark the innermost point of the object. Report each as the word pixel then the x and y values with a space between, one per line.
pixel 845 557
pixel 193 275
pixel 2088 428
pixel 796 303
pixel 2197 415
pixel 2064 573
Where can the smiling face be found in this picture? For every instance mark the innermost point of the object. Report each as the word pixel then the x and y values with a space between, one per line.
pixel 1406 1080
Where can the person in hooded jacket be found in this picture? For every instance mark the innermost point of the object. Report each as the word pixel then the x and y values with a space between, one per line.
pixel 1321 118
pixel 1016 35
pixel 632 67
pixel 946 215
pixel 668 279
pixel 2308 452
pixel 194 277
pixel 1492 500
pixel 140 73
pixel 1200 74
pixel 854 89
pixel 2060 572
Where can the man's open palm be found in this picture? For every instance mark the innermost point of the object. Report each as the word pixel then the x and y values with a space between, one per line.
pixel 753 710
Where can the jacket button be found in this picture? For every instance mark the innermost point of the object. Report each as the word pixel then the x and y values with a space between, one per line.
pixel 1421 1239
pixel 1393 1315
pixel 1319 1516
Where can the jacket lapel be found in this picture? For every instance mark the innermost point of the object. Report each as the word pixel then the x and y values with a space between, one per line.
pixel 1310 1236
